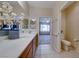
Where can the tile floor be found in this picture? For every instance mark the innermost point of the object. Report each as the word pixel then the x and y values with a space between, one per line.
pixel 46 51
pixel 44 39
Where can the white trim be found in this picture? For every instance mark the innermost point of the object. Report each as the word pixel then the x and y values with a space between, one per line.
pixel 66 4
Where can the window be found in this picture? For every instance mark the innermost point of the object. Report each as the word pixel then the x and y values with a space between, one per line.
pixel 44 27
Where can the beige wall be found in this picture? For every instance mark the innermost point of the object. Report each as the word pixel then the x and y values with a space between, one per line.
pixel 36 12
pixel 72 22
pixel 56 11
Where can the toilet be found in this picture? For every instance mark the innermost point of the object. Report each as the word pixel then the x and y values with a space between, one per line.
pixel 66 44
pixel 76 44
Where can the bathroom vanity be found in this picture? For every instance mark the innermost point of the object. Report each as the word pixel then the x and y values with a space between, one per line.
pixel 29 51
pixel 23 47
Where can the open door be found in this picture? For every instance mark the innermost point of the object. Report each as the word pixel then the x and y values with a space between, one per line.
pixel 44 26
pixel 44 30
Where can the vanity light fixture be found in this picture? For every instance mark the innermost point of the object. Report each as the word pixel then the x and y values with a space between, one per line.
pixel 33 20
pixel 22 16
pixel 13 14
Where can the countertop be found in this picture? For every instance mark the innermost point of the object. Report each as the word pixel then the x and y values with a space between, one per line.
pixel 13 48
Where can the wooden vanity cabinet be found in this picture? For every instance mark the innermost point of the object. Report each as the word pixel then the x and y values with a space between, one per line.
pixel 30 50
pixel 36 41
pixel 34 46
pixel 26 52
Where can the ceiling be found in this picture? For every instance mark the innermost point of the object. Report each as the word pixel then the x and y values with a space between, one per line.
pixel 43 4
pixel 46 4
pixel 11 2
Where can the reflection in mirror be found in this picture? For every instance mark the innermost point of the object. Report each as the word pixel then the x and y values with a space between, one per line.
pixel 1 23
pixel 25 24
pixel 33 23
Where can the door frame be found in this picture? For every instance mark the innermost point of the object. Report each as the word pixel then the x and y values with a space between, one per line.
pixel 50 25
pixel 44 33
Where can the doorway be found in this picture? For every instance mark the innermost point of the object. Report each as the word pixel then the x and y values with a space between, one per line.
pixel 44 30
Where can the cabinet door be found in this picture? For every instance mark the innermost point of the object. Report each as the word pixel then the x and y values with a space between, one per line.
pixel 26 52
pixel 30 54
pixel 34 46
pixel 30 50
pixel 37 41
